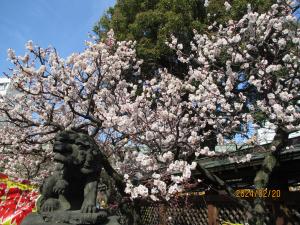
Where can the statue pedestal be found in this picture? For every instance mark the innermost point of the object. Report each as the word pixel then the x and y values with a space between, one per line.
pixel 70 218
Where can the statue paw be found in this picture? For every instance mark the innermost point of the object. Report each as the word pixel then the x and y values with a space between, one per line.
pixel 50 205
pixel 88 208
pixel 60 187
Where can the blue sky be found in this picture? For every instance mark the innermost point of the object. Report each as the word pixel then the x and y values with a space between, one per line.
pixel 64 24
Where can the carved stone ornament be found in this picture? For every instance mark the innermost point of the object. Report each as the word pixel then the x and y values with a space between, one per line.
pixel 69 195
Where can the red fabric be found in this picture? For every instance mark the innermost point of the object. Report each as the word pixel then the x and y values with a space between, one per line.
pixel 17 199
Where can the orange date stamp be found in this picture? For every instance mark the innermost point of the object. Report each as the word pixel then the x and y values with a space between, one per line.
pixel 257 193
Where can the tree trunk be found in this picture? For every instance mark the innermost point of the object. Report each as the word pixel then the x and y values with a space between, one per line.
pixel 262 177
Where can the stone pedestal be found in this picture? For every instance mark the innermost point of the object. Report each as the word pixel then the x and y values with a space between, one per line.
pixel 70 218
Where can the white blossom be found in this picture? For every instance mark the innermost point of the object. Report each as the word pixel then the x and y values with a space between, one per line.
pixel 227 6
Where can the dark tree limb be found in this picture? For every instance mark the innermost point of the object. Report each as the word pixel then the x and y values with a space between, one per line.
pixel 218 182
pixel 262 177
pixel 119 181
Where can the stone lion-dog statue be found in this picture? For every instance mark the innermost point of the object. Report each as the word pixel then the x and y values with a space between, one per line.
pixel 74 183
pixel 69 195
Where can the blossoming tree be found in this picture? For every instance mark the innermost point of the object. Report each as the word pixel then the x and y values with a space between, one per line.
pixel 240 73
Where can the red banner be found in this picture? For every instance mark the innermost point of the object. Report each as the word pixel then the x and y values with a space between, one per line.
pixel 17 199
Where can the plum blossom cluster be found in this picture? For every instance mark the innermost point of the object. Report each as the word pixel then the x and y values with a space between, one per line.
pixel 154 130
pixel 50 94
pixel 259 52
pixel 160 188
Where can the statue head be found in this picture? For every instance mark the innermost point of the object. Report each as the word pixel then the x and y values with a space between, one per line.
pixel 77 150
